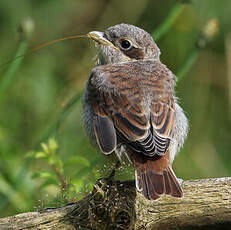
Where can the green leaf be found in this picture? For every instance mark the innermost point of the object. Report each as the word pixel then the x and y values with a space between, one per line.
pixel 52 159
pixel 40 155
pixel 45 147
pixel 43 175
pixel 77 160
pixel 52 145
pixel 30 154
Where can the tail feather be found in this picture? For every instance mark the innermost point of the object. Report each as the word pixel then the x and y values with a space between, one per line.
pixel 167 183
pixel 176 189
pixel 142 182
pixel 153 193
pixel 154 175
pixel 153 184
pixel 157 181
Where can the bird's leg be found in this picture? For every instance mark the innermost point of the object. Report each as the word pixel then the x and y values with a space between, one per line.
pixel 118 152
pixel 112 174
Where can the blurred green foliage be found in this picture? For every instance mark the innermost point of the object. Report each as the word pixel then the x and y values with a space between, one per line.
pixel 45 157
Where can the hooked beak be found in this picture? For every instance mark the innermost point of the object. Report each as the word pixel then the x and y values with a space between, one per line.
pixel 98 37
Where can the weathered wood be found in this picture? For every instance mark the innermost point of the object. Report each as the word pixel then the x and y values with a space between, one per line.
pixel 116 205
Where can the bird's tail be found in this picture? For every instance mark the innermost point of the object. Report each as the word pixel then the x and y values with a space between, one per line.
pixel 154 176
pixel 153 184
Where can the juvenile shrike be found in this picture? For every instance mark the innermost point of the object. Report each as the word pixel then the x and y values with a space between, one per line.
pixel 130 102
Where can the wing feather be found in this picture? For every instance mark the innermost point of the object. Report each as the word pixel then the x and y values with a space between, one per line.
pixel 138 102
pixel 105 134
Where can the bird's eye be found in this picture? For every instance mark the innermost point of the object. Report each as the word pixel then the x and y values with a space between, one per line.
pixel 125 44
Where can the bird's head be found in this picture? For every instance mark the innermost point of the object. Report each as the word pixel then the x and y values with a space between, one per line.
pixel 122 43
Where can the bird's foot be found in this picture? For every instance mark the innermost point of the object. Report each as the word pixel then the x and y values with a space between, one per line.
pixel 112 174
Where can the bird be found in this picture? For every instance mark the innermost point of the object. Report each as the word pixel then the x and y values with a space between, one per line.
pixel 130 107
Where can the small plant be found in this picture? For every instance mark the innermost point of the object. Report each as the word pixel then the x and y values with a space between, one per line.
pixel 55 172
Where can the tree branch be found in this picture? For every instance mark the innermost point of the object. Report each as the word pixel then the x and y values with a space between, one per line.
pixel 116 205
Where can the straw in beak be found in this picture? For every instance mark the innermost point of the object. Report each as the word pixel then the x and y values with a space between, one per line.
pixel 98 37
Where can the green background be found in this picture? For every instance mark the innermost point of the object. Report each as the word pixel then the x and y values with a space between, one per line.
pixel 35 92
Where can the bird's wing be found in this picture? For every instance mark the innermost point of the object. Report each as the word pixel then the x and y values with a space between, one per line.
pixel 137 97
pixel 105 134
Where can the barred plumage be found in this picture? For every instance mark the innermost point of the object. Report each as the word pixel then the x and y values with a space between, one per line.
pixel 130 100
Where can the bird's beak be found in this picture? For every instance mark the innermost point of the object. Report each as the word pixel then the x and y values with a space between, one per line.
pixel 98 37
